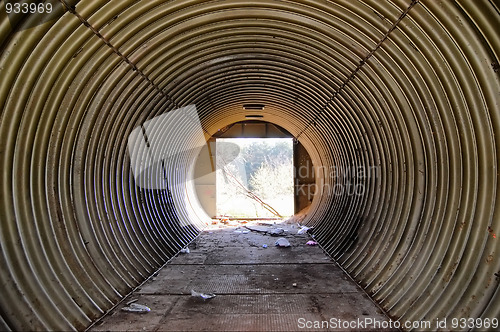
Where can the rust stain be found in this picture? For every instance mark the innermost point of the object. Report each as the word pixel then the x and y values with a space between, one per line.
pixel 466 311
pixel 448 275
pixel 492 232
pixel 488 283
pixel 495 66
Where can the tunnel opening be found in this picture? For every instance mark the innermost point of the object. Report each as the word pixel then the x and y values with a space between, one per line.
pixel 259 182
pixel 224 162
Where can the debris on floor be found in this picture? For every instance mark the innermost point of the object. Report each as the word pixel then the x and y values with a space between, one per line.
pixel 269 230
pixel 312 243
pixel 282 242
pixel 262 230
pixel 258 287
pixel 267 224
pixel 136 307
pixel 303 230
pixel 276 232
pixel 184 250
pixel 202 296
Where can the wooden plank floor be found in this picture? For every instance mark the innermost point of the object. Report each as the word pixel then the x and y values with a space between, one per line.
pixel 257 289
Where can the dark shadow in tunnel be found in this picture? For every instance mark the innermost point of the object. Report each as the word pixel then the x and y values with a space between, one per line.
pixel 165 222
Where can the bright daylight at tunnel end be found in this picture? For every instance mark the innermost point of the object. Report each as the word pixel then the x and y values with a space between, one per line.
pixel 110 111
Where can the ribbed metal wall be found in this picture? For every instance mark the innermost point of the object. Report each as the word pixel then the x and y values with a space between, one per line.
pixel 409 90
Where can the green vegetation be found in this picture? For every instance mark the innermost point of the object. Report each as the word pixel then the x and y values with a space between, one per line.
pixel 259 181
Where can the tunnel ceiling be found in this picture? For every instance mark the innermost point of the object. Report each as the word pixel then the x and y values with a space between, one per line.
pixel 396 99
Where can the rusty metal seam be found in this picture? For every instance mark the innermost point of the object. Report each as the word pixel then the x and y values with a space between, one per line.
pixel 72 10
pixel 359 66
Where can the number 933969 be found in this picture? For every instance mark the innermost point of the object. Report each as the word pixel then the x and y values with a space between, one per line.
pixel 27 8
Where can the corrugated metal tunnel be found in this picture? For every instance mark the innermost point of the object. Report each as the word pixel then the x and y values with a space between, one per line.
pixel 397 99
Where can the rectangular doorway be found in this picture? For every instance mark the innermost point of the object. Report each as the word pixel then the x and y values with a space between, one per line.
pixel 254 177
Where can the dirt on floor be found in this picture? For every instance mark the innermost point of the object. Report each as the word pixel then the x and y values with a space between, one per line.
pixel 258 286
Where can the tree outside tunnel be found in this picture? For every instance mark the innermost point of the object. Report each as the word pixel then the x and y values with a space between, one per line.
pixel 259 181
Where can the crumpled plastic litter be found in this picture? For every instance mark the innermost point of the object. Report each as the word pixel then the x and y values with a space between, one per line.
pixel 184 251
pixel 303 230
pixel 203 296
pixel 282 242
pixel 137 308
pixel 312 243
